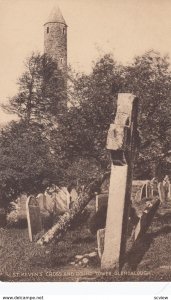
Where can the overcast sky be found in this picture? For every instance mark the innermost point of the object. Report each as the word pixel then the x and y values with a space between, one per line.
pixel 124 27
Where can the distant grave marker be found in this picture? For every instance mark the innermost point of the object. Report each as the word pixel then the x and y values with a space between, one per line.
pixel 146 219
pixel 161 192
pixel 101 200
pixel 154 186
pixel 22 206
pixel 41 198
pixel 33 217
pixel 166 186
pixel 141 189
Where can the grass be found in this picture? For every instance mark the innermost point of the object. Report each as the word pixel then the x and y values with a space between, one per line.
pixel 148 260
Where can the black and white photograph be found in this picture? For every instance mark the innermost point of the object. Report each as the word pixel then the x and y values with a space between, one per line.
pixel 85 141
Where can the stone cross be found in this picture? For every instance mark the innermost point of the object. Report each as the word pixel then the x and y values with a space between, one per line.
pixel 121 142
pixel 33 217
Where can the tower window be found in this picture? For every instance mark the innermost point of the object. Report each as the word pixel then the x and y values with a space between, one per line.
pixel 61 61
pixel 64 30
pixel 47 29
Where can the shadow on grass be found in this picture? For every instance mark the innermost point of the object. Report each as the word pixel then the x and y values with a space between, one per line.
pixel 141 246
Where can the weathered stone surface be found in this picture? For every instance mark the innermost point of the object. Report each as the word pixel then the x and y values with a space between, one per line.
pixel 85 260
pixel 101 200
pixel 41 199
pixel 78 257
pixel 62 200
pixel 115 213
pixel 166 188
pixel 146 219
pixel 161 192
pixel 92 254
pixel 122 148
pixel 55 41
pixel 22 214
pixel 100 241
pixel 139 190
pixel 57 200
pixel 33 217
pixel 74 195
pixel 154 186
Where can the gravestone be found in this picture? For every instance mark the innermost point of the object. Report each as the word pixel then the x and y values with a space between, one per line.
pixel 149 191
pixel 101 200
pixel 62 200
pixel 57 200
pixel 22 214
pixel 33 217
pixel 161 192
pixel 146 219
pixel 50 201
pixel 74 195
pixel 139 190
pixel 154 187
pixel 41 198
pixel 166 187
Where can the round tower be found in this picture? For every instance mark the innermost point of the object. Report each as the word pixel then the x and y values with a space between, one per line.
pixel 55 39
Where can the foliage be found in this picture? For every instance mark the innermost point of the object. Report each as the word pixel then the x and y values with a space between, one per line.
pixel 83 130
pixel 74 150
pixel 149 78
pixel 25 160
pixel 41 94
pixel 81 134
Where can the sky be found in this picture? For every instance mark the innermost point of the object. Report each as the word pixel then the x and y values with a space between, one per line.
pixel 123 27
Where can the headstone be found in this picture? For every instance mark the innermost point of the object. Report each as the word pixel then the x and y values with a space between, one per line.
pixel 140 190
pixel 101 200
pixel 121 142
pixel 41 199
pixel 74 195
pixel 22 214
pixel 50 201
pixel 166 187
pixel 143 191
pixel 146 219
pixel 33 217
pixel 154 187
pixel 161 192
pixel 149 191
pixel 58 200
pixel 62 200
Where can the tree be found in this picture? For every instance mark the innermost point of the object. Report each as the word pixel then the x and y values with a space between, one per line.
pixel 82 131
pixel 25 161
pixel 42 91
pixel 149 78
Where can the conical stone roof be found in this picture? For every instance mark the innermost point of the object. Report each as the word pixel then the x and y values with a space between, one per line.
pixel 56 16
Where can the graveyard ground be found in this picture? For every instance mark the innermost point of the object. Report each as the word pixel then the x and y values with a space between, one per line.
pixel 148 260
